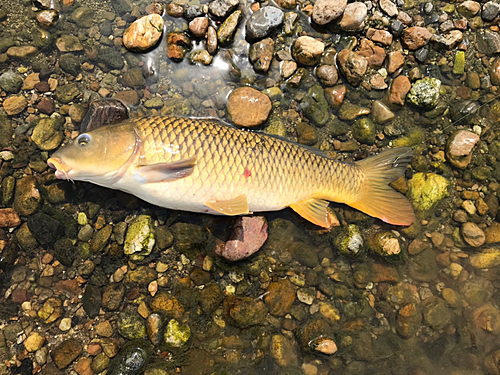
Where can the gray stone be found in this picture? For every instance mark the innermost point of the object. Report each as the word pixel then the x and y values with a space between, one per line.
pixel 488 42
pixel 261 23
pixel 11 82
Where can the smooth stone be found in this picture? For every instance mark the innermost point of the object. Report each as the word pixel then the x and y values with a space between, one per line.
pixel 263 22
pixel 144 33
pixel 335 95
pixel 488 258
pixel 222 8
pixel 373 54
pixel 459 148
pixel 381 112
pixel 248 107
pixel 226 31
pixel 14 105
pixel 66 352
pixel 354 16
pixel 69 43
pixel 472 234
pixel 11 82
pixel 48 133
pixel 389 8
pixel 352 65
pixel 199 26
pixel 488 42
pixel 307 50
pixel 416 37
pixel 325 11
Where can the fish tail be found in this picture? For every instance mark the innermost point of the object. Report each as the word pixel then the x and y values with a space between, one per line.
pixel 376 198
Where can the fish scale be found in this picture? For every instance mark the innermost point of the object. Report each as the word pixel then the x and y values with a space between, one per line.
pixel 281 172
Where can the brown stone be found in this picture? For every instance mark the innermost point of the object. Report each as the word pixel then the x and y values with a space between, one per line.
pixel 307 50
pixel 373 54
pixel 199 26
pixel 15 104
pixel 82 367
pixel 335 95
pixel 46 106
pixel 248 107
pixel 128 97
pixel 21 52
pixel 380 36
pixel 325 11
pixel 378 82
pixel 352 65
pixel 168 305
pixel 399 88
pixel 495 72
pixel 27 197
pixel 416 37
pixel 174 10
pixel 473 235
pixel 177 46
pixel 66 352
pixel 459 148
pixel 143 33
pixel 327 74
pixel 354 16
pixel 492 233
pixel 384 273
pixel 395 60
pixel 9 218
pixel 280 297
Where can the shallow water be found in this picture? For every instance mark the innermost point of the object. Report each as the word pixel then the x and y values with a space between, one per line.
pixel 73 301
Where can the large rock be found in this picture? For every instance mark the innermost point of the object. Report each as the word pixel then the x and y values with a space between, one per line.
pixel 261 23
pixel 307 50
pixel 488 258
pixel 352 65
pixel 399 89
pixel 416 37
pixel 48 133
pixel 488 42
pixel 425 92
pixel 354 16
pixel 143 33
pixel 325 11
pixel 426 190
pixel 459 148
pixel 248 107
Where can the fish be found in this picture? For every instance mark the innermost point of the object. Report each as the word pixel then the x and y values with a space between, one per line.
pixel 205 165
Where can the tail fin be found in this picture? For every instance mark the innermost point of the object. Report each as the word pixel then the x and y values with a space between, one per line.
pixel 377 198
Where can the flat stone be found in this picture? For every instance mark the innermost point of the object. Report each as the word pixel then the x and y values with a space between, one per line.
pixel 69 43
pixel 66 352
pixel 383 37
pixel 15 105
pixel 263 22
pixel 459 148
pixel 21 52
pixel 34 342
pixel 389 8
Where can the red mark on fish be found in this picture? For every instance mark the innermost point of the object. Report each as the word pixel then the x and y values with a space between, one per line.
pixel 247 173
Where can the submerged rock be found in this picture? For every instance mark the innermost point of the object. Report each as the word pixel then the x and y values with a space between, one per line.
pixel 248 107
pixel 143 33
pixel 426 190
pixel 459 148
pixel 262 23
pixel 349 241
pixel 384 243
pixel 307 50
pixel 177 335
pixel 140 239
pixel 425 92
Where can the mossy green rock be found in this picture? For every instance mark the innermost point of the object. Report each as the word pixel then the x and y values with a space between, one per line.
pixel 67 93
pixel 459 64
pixel 140 238
pixel 315 106
pixel 364 131
pixel 349 241
pixel 426 190
pixel 425 92
pixel 177 335
pixel 413 138
pixel 384 243
pixel 130 324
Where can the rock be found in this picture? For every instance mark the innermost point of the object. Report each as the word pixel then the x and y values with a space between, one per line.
pixel 21 52
pixel 222 8
pixel 47 18
pixel 131 359
pixel 349 241
pixel 261 53
pixel 315 106
pixel 487 317
pixel 134 78
pixel 425 92
pixel 144 33
pixel 177 46
pixel 280 297
pixel 66 93
pixel 381 112
pixel 488 258
pixel 11 82
pixel 34 342
pixel 472 234
pixel 327 74
pixel 48 133
pixel 112 296
pixel 130 324
pixel 14 105
pixel 263 22
pixel 167 305
pixel 199 26
pixel 426 190
pixel 249 234
pixel 226 31
pixel 416 37
pixel 83 17
pixel 490 11
pixel 423 266
pixel 380 36
pixel 91 301
pixel 363 131
pixel 46 106
pixel 188 237
pixel 408 320
pixel 384 243
pixel 31 81
pixel 325 11
pixel 66 352
pixel 307 50
pixel 448 40
pixel 335 95
pixel 9 218
pixel 494 72
pixel 350 111
pixel 248 107
pixel 459 148
pixel 352 65
pixel 68 43
pixel 140 238
pixel 283 351
pixel 212 42
pixel 436 313
pixel 488 42
pixel 389 8
pixel 399 89
pixel 373 54
pixel 459 63
pixel 469 8
pixel 354 16
pixel 396 27
pixel 492 233
pixel 27 198
pixel 192 12
pixel 245 311
pixel 476 290
pixel 306 133
pixel 177 335
pixel 316 335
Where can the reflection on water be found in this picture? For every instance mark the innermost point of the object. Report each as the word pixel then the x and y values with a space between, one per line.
pixel 96 280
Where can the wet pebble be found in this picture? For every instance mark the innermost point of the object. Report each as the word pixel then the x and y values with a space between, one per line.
pixel 352 65
pixel 27 197
pixel 487 258
pixel 283 351
pixel 381 112
pixel 490 11
pixel 325 11
pixel 212 41
pixel 354 16
pixel 130 324
pixel 48 17
pixel 248 107
pixel 416 37
pixel 9 218
pixel 176 335
pixel 112 296
pixel 261 53
pixel 349 111
pixel 335 95
pixel 469 8
pixel 395 60
pixel 199 26
pixel 68 43
pixel 11 82
pixel 222 8
pixel 426 190
pixel 472 234
pixel 245 312
pixel 389 8
pixel 15 105
pixel 131 359
pixel 373 54
pixel 459 148
pixel 280 297
pixel 143 33
pixel 66 352
pixel 177 46
pixel 262 22
pixel 307 50
pixel 226 31
pixel 34 342
pixel 47 134
pixel 140 239
pixel 425 92
pixel 327 74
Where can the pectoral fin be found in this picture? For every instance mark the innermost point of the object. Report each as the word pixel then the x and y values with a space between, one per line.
pixel 164 172
pixel 314 210
pixel 236 206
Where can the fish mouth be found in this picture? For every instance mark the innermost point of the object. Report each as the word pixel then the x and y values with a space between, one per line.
pixel 61 168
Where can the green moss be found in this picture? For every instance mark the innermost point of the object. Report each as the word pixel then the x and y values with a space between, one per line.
pixel 140 239
pixel 426 190
pixel 459 64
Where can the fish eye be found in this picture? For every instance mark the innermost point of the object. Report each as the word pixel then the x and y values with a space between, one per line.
pixel 83 139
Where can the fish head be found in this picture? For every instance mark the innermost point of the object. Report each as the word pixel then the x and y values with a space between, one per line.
pixel 98 156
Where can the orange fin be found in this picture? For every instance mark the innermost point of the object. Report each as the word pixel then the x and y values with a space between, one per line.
pixel 235 206
pixel 164 172
pixel 314 210
pixel 377 198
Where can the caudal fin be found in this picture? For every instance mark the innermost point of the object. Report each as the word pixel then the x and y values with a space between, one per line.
pixel 376 197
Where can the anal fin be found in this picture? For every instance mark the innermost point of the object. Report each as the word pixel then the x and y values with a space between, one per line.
pixel 231 207
pixel 314 210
